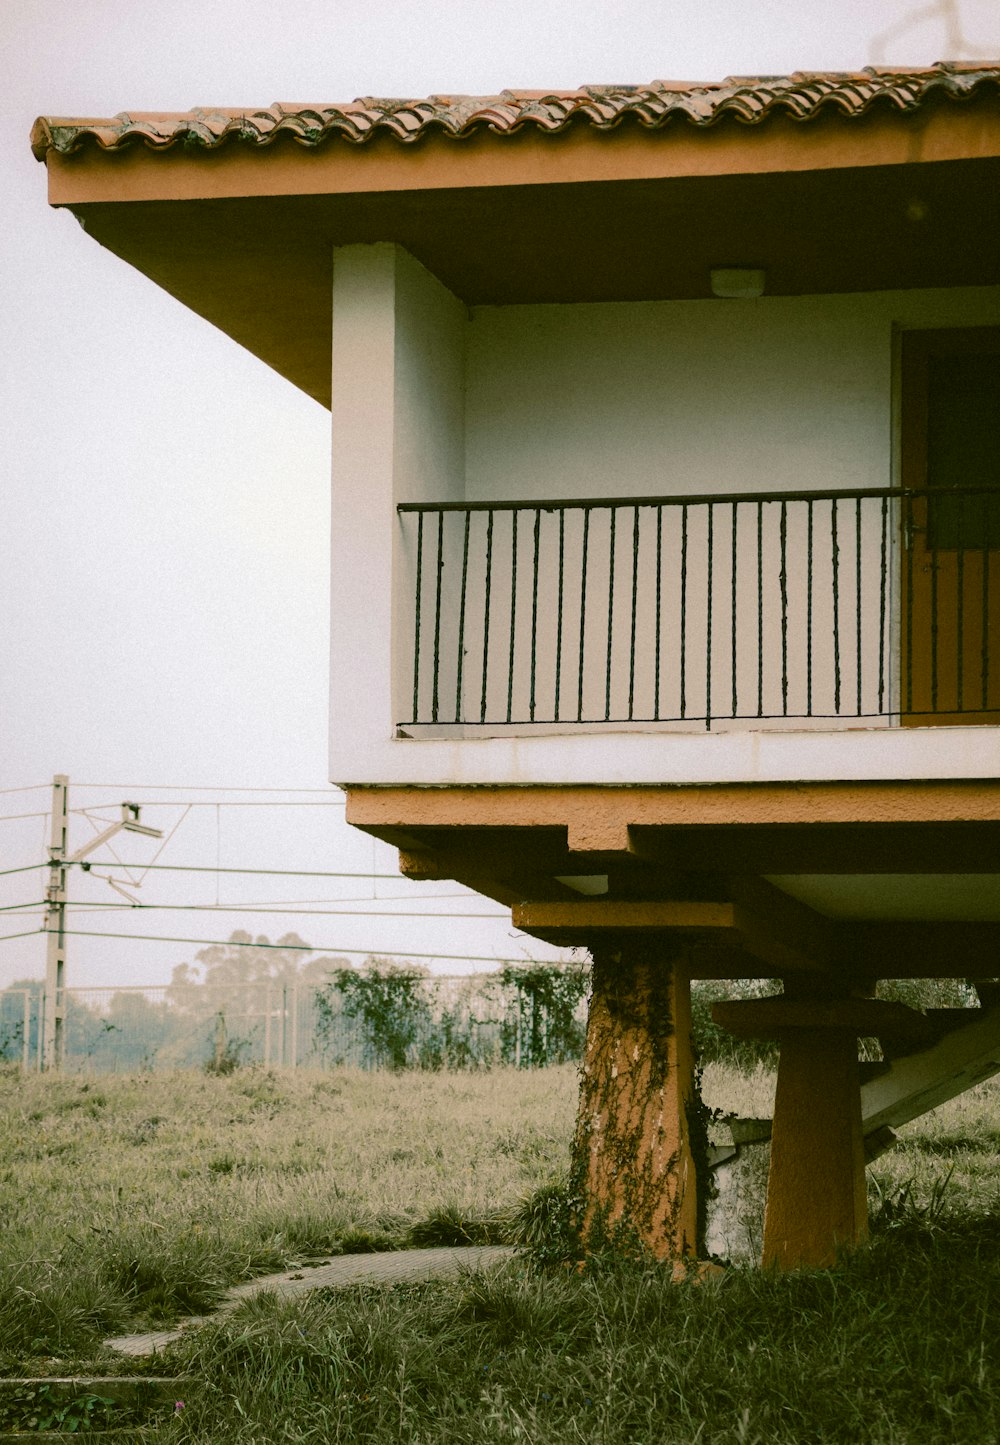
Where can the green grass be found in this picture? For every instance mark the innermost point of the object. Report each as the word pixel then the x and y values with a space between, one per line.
pixel 112 1219
pixel 127 1201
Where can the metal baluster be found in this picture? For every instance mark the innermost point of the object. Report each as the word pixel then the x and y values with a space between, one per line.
pixel 416 620
pixel 583 612
pixel 611 612
pixel 883 590
pixel 760 609
pixel 783 584
pixel 659 572
pixel 461 620
pixel 437 618
pixel 932 535
pixel 559 608
pixel 809 607
pixel 486 612
pixel 732 610
pixel 908 543
pixel 534 615
pixel 684 563
pixel 708 623
pixel 960 604
pixel 635 600
pixel 461 623
pixel 513 612
pixel 835 560
pixel 857 589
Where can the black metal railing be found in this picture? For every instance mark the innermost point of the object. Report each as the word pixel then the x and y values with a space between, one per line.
pixel 863 604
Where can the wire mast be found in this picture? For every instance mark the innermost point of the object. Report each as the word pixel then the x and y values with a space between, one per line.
pixel 55 924
pixel 53 1033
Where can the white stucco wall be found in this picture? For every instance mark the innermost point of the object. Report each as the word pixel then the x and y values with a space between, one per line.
pixel 432 403
pixel 632 399
pixel 397 419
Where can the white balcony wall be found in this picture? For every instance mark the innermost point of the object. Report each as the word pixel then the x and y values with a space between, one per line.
pixel 397 435
pixel 641 398
pixel 544 402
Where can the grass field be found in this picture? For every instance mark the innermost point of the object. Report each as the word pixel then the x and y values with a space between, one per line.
pixel 131 1200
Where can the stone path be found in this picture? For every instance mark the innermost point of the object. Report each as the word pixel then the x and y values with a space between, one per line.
pixel 347 1269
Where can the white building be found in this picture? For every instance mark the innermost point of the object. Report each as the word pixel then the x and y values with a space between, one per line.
pixel 666 565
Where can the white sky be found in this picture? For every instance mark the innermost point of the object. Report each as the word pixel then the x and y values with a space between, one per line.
pixel 163 495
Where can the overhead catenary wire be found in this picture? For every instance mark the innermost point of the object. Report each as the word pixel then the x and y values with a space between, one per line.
pixel 213 803
pixel 27 868
pixel 99 906
pixel 211 868
pixel 288 947
pixel 191 788
pixel 15 817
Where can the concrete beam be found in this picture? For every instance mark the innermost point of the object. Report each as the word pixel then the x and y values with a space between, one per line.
pixel 912 1085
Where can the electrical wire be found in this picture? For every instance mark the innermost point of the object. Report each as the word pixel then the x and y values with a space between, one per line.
pixel 6 872
pixel 286 947
pixel 190 788
pixel 14 817
pixel 101 907
pixel 5 937
pixel 13 907
pixel 209 868
pixel 204 803
pixel 26 788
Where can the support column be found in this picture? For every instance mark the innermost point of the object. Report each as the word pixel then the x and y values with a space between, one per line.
pixel 632 1159
pixel 816 1198
pixel 816 1195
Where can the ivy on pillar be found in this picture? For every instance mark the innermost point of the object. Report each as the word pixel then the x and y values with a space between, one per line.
pixel 633 1163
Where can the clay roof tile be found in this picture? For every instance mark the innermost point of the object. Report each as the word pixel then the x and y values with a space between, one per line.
pixel 750 99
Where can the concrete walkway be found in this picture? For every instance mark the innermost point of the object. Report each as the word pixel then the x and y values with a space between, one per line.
pixel 347 1269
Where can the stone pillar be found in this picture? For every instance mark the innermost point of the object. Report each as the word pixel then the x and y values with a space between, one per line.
pixel 632 1160
pixel 816 1196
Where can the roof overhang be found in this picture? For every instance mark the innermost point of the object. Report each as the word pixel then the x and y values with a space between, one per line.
pixel 243 234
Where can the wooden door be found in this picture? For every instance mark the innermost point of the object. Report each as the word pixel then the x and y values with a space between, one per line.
pixel 950 519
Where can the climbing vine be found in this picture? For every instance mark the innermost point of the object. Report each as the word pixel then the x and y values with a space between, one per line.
pixel 632 1155
pixel 542 1026
pixel 388 1002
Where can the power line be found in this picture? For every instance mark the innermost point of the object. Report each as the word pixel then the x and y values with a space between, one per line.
pixel 13 907
pixel 6 872
pixel 14 817
pixel 27 788
pixel 210 868
pixel 206 803
pixel 285 947
pixel 99 906
pixel 193 788
pixel 4 937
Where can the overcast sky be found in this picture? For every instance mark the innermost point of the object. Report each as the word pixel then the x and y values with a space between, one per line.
pixel 164 515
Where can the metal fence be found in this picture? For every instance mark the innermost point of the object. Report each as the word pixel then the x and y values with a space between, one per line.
pixel 462 1021
pixel 865 604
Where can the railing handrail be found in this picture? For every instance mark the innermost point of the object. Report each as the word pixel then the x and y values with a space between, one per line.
pixel 550 504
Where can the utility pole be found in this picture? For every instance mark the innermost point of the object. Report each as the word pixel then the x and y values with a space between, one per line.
pixel 55 923
pixel 53 1037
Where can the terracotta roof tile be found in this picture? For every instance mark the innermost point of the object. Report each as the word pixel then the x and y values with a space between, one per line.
pixel 749 98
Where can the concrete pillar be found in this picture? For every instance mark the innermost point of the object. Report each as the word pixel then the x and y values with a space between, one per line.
pixel 632 1160
pixel 816 1197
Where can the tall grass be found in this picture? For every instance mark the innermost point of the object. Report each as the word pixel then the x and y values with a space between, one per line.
pixel 124 1200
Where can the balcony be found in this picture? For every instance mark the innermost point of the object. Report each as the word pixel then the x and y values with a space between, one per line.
pixel 811 609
